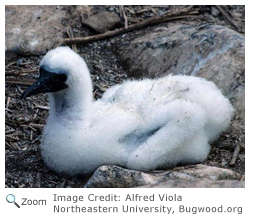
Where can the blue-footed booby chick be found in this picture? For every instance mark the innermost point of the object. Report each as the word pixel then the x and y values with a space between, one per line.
pixel 141 125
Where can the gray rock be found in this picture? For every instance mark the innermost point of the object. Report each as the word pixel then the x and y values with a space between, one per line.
pixel 102 22
pixel 214 52
pixel 114 176
pixel 32 30
pixel 208 172
pixel 188 176
pixel 199 184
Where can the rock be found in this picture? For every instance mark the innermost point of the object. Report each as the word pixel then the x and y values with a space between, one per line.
pixel 102 22
pixel 214 52
pixel 208 172
pixel 114 176
pixel 33 30
pixel 199 184
pixel 188 176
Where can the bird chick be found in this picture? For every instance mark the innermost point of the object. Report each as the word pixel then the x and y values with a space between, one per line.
pixel 142 125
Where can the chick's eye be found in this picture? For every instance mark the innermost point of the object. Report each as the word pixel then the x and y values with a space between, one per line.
pixel 62 77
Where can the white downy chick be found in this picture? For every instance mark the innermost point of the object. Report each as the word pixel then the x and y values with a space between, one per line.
pixel 142 125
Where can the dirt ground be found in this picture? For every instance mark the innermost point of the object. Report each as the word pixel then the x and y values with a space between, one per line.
pixel 24 119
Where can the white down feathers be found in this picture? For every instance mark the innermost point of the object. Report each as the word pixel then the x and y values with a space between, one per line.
pixel 141 125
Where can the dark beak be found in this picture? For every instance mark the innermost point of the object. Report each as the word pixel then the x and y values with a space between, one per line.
pixel 47 82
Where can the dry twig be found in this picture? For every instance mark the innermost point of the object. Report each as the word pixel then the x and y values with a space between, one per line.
pixel 142 11
pixel 71 35
pixel 131 11
pixel 11 138
pixel 235 155
pixel 41 107
pixel 122 10
pixel 64 183
pixel 38 126
pixel 21 82
pixel 38 180
pixel 19 72
pixel 8 102
pixel 225 14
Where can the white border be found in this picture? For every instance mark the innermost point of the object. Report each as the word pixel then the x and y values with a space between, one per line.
pixel 191 197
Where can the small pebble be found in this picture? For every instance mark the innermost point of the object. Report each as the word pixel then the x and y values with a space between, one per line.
pixel 75 30
pixel 19 62
pixel 224 163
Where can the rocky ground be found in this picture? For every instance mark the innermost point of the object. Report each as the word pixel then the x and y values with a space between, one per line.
pixel 24 120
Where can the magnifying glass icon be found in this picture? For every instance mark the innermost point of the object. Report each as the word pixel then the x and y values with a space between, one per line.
pixel 11 199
